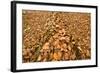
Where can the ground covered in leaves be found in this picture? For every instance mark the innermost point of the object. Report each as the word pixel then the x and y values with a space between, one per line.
pixel 55 36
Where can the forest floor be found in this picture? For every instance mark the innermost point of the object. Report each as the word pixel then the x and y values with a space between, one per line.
pixel 55 36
